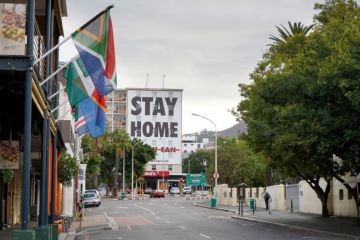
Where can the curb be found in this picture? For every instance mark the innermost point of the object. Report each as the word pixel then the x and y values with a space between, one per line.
pixel 297 227
pixel 281 224
pixel 219 209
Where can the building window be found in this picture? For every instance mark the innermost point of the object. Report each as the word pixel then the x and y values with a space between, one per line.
pixel 185 144
pixel 341 194
pixel 170 167
pixel 153 167
pixel 185 151
pixel 199 146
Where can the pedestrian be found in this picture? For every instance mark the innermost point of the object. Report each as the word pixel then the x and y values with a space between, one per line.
pixel 267 199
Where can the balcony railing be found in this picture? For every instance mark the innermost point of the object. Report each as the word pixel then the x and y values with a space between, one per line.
pixel 39 50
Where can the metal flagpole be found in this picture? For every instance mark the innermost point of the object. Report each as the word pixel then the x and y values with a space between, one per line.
pixel 57 120
pixel 63 103
pixel 56 93
pixel 57 71
pixel 68 37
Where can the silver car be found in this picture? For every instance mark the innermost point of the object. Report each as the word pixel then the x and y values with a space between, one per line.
pixel 91 199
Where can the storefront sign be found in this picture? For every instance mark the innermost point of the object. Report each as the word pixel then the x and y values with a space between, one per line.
pixel 12 28
pixel 9 154
pixel 157 173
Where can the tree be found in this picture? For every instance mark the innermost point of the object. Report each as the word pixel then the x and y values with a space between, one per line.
pixel 295 29
pixel 236 163
pixel 67 169
pixel 303 107
pixel 116 142
pixel 92 158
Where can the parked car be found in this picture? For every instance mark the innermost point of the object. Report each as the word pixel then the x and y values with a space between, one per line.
pixel 174 190
pixel 97 194
pixel 187 190
pixel 148 190
pixel 91 199
pixel 157 194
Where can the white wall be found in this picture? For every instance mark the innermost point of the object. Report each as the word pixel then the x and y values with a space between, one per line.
pixel 346 206
pixel 308 200
pixel 68 200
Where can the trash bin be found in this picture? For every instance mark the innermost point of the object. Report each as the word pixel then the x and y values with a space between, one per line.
pixel 213 202
pixel 122 196
pixel 252 204
pixel 23 235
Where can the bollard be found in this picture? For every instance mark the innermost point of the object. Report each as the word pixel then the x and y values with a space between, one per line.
pixel 291 206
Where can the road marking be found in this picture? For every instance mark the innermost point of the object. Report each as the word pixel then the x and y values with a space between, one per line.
pixel 182 207
pixel 167 221
pixel 146 209
pixel 203 235
pixel 182 227
pixel 114 225
pixel 128 226
pixel 123 207
pixel 157 217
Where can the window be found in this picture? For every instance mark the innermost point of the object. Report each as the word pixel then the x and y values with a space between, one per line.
pixel 341 194
pixel 170 167
pixel 199 146
pixel 153 167
pixel 185 144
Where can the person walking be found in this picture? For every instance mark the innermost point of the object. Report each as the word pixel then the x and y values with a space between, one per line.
pixel 267 199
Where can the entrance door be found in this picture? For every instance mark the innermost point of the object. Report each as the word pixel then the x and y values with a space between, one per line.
pixel 292 196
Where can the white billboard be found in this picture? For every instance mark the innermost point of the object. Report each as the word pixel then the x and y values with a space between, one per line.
pixel 155 116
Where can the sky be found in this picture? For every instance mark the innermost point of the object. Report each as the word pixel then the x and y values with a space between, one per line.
pixel 205 47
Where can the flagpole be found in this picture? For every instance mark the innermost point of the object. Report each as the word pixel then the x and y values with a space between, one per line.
pixel 63 103
pixel 57 71
pixel 56 93
pixel 68 37
pixel 57 120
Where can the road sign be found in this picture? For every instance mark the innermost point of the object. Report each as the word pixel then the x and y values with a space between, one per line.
pixel 216 175
pixel 195 179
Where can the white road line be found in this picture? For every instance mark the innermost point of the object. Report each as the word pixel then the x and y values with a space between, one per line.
pixel 167 221
pixel 146 209
pixel 203 235
pixel 182 227
pixel 123 207
pixel 182 207
pixel 157 217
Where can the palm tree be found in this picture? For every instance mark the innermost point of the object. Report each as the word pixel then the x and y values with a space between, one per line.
pixel 117 141
pixel 295 29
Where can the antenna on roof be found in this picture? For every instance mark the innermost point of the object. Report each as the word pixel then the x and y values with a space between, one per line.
pixel 147 79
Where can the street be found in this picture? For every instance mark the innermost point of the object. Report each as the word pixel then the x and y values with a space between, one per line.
pixel 176 218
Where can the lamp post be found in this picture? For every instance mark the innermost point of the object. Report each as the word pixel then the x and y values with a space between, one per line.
pixel 197 115
pixel 132 169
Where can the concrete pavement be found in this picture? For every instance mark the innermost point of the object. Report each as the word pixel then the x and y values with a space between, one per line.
pixel 347 228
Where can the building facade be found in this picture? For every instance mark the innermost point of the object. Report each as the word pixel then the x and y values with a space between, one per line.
pixel 116 109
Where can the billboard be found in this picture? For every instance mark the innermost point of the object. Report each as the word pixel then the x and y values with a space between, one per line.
pixel 154 115
pixel 12 28
pixel 9 154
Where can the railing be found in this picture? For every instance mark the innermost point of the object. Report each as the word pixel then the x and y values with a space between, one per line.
pixel 39 49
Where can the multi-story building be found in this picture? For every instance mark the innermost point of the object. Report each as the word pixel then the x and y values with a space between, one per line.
pixel 116 109
pixel 153 115
pixel 191 145
pixel 29 136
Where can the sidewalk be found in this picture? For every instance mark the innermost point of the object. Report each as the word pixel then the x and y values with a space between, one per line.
pixel 89 223
pixel 337 226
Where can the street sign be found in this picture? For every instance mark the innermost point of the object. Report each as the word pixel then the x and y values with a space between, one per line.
pixel 195 179
pixel 216 175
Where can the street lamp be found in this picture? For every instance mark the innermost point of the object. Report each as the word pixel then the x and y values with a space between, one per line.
pixel 216 173
pixel 132 169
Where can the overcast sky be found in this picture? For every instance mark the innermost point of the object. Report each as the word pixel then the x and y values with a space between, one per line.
pixel 206 47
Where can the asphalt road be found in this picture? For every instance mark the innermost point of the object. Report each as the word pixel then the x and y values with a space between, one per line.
pixel 175 218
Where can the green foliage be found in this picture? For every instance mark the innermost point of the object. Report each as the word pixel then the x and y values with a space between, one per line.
pixel 67 169
pixel 294 29
pixel 236 163
pixel 7 175
pixel 303 105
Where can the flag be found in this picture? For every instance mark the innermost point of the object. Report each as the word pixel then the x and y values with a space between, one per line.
pixel 78 82
pixel 95 44
pixel 93 109
pixel 80 123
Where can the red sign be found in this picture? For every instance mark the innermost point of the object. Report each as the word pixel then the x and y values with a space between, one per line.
pixel 157 173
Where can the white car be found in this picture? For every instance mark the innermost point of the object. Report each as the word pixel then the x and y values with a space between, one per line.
pixel 174 190
pixel 91 199
pixel 187 190
pixel 96 192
